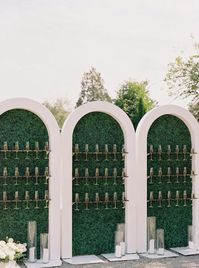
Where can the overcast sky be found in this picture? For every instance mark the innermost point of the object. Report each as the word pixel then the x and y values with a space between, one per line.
pixel 47 45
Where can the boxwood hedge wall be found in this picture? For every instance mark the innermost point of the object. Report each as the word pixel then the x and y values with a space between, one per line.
pixel 169 130
pixel 93 230
pixel 21 125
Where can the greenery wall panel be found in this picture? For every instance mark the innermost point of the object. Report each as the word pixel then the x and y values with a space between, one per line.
pixel 169 130
pixel 93 230
pixel 21 125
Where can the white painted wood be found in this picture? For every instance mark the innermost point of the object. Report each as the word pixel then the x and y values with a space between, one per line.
pixel 141 171
pixel 129 135
pixel 54 165
pixel 85 259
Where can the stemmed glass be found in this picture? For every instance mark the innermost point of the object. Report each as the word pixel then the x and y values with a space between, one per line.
pixel 27 175
pixel 184 151
pixel 27 149
pixel 114 152
pixel 185 198
pixel 36 200
pixel 97 200
pixel 169 174
pixel 123 200
pixel 86 152
pixel 36 175
pixel 97 152
pixel 185 174
pixel 123 175
pixel 76 176
pixel 177 174
pixel 160 175
pixel 106 152
pixel 151 199
pixel 5 174
pixel 177 198
pixel 106 200
pixel 46 174
pixel 160 199
pixel 96 176
pixel 151 152
pixel 36 150
pixel 16 200
pixel 86 201
pixel 5 148
pixel 46 148
pixel 169 198
pixel 151 175
pixel 76 201
pixel 46 198
pixel 76 152
pixel 115 176
pixel 115 200
pixel 123 152
pixel 106 176
pixel 16 175
pixel 5 200
pixel 86 175
pixel 169 152
pixel 177 152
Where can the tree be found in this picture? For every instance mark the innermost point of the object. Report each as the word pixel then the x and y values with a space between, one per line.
pixel 60 110
pixel 183 80
pixel 133 98
pixel 92 88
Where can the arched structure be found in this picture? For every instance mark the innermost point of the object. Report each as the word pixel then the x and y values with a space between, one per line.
pixel 130 189
pixel 141 173
pixel 54 165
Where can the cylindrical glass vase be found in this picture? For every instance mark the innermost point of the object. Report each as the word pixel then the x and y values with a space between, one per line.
pixel 32 241
pixel 151 234
pixel 44 247
pixel 190 237
pixel 121 228
pixel 118 240
pixel 160 241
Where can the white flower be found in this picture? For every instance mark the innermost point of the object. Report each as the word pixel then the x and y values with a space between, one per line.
pixel 10 240
pixel 21 248
pixel 2 243
pixel 2 255
pixel 12 246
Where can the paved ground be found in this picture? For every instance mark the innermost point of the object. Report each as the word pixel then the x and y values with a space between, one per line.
pixel 181 261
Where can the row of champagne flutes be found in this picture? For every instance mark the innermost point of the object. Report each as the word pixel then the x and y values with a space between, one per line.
pixel 27 199
pixel 97 201
pixel 5 175
pixel 179 196
pixel 106 176
pixel 106 152
pixel 176 152
pixel 177 174
pixel 27 149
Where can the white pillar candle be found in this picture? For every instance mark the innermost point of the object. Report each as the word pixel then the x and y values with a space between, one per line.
pixel 45 255
pixel 161 251
pixel 123 248
pixel 118 252
pixel 191 245
pixel 32 254
pixel 152 246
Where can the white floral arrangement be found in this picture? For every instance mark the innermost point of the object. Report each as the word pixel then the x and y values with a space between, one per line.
pixel 11 251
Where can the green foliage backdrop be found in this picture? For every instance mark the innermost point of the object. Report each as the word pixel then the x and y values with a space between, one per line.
pixel 93 230
pixel 169 130
pixel 21 125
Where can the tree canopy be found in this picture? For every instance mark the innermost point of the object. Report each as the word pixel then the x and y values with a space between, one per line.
pixel 92 88
pixel 60 109
pixel 133 98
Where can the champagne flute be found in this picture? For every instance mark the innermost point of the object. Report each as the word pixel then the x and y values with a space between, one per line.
pixel 169 198
pixel 97 152
pixel 106 176
pixel 184 150
pixel 86 201
pixel 16 175
pixel 36 200
pixel 106 199
pixel 76 152
pixel 169 174
pixel 115 200
pixel 86 152
pixel 160 199
pixel 96 176
pixel 115 176
pixel 76 201
pixel 86 175
pixel 46 148
pixel 97 200
pixel 46 198
pixel 76 176
pixel 123 200
pixel 16 200
pixel 151 199
pixel 185 198
pixel 5 148
pixel 151 152
pixel 169 152
pixel 177 152
pixel 27 175
pixel 123 152
pixel 160 152
pixel 177 198
pixel 106 152
pixel 27 149
pixel 114 152
pixel 151 175
pixel 5 174
pixel 5 200
pixel 36 175
pixel 46 174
